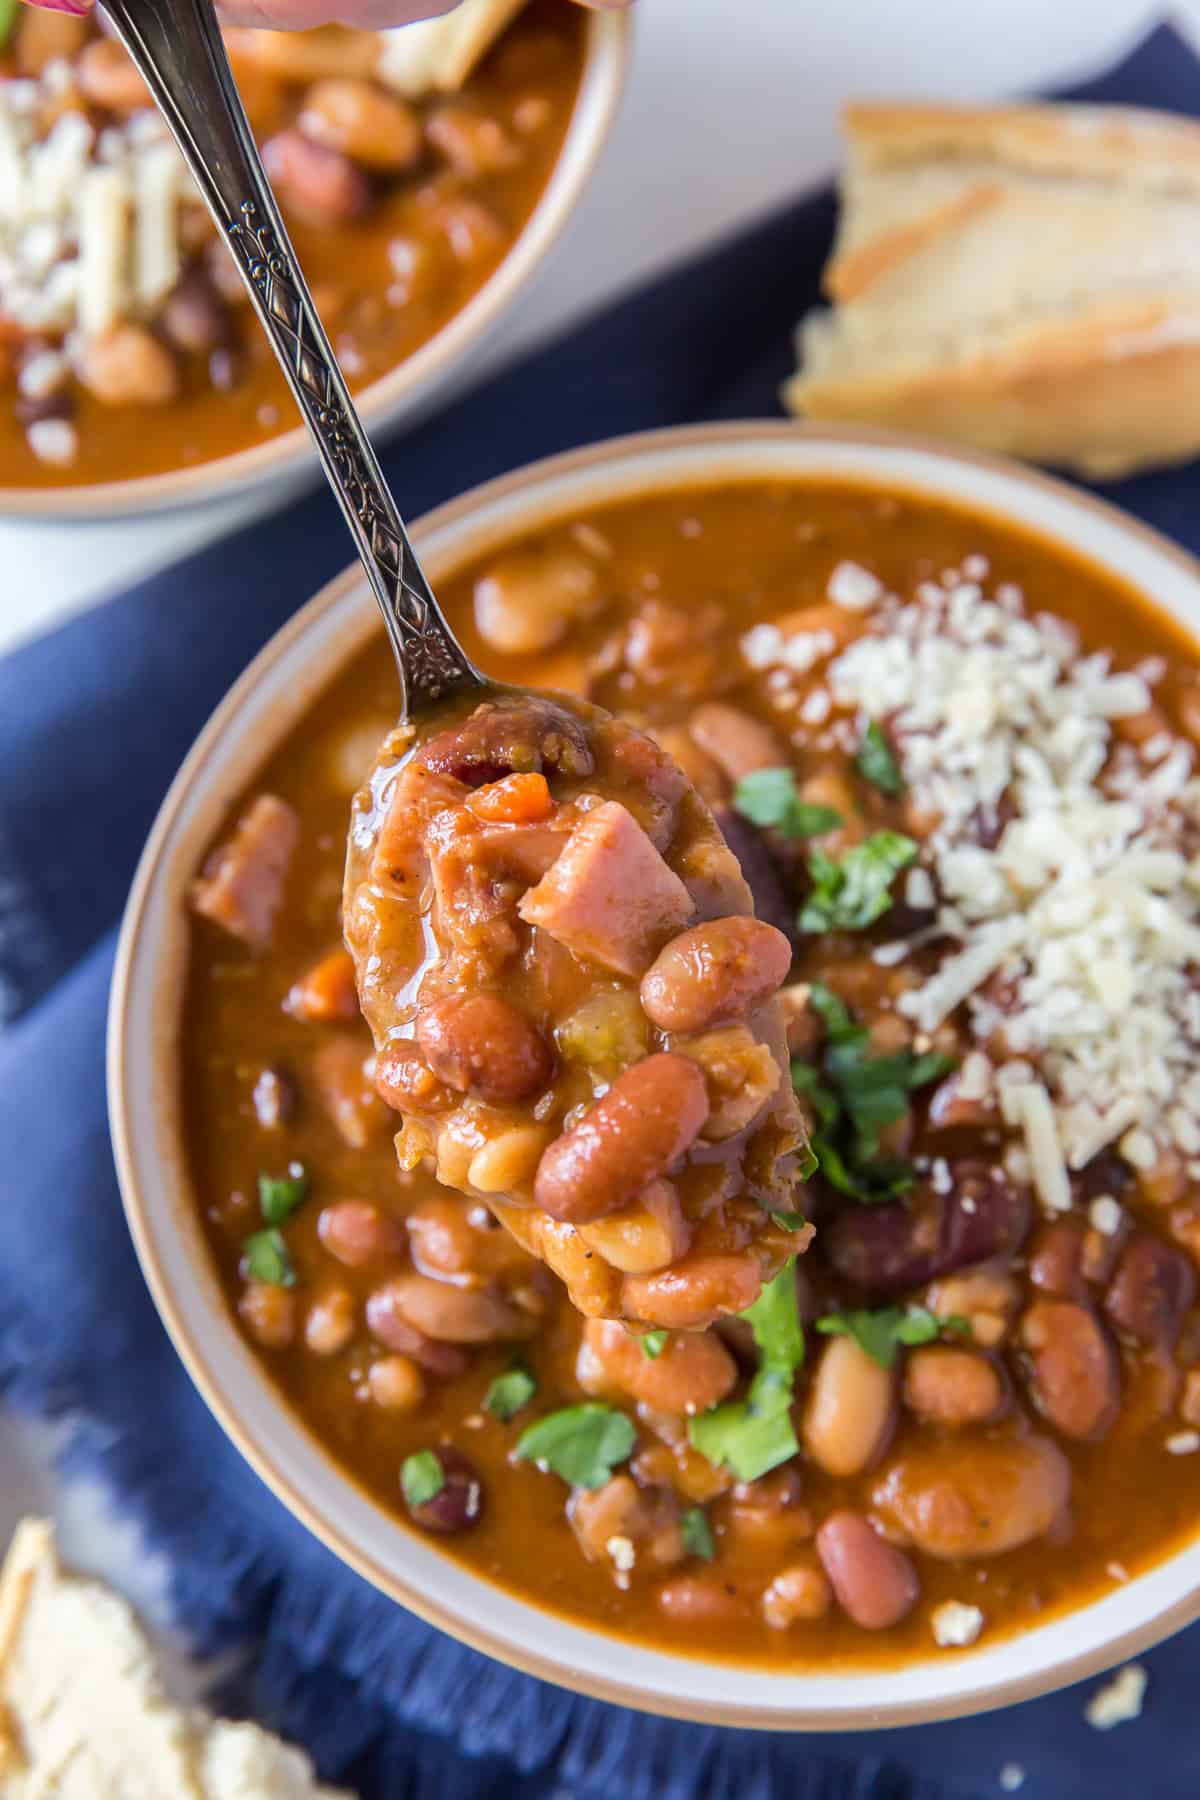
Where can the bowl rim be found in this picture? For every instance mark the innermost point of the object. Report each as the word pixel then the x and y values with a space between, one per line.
pixel 398 395
pixel 530 484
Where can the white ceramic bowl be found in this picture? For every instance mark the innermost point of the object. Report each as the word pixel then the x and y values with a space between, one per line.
pixel 260 710
pixel 434 372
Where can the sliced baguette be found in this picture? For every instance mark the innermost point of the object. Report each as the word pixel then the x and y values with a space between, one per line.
pixel 84 1714
pixel 1025 279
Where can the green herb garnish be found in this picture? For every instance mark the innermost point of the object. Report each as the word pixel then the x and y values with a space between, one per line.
pixel 509 1392
pixel 881 1333
pixel 756 1434
pixel 265 1258
pixel 697 1533
pixel 876 762
pixel 851 893
pixel 769 798
pixel 280 1195
pixel 9 13
pixel 854 1096
pixel 583 1444
pixel 422 1477
pixel 654 1343
pixel 790 1221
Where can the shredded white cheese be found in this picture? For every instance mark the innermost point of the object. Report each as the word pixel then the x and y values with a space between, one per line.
pixel 855 588
pixel 622 1552
pixel 1119 1700
pixel 1183 1443
pixel 955 1624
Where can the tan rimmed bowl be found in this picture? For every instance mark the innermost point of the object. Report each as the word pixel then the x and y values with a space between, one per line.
pixel 433 374
pixel 262 708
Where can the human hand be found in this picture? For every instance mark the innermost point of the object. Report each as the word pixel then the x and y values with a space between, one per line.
pixel 303 15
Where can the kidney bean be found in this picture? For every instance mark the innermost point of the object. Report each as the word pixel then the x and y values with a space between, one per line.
pixel 1153 1288
pixel 651 1115
pixel 373 128
pixel 358 1232
pixel 851 1409
pixel 194 316
pixel 889 1248
pixel 771 903
pixel 1107 1173
pixel 482 1044
pixel 1056 1259
pixel 947 1386
pixel 801 1592
pixel 713 973
pixel 274 1099
pixel 692 1372
pixel 320 185
pixel 447 1314
pixel 1004 1493
pixel 695 1291
pixel 875 1584
pixel 460 1503
pixel 736 741
pixel 443 1360
pixel 1075 1376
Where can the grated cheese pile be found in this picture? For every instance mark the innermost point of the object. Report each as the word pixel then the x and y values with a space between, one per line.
pixel 1065 861
pixel 89 220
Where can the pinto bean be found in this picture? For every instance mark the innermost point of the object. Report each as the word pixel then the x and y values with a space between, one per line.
pixel 329 1325
pixel 460 1502
pixel 695 1291
pixel 269 1314
pixel 105 75
pixel 529 600
pixel 128 366
pixel 1006 1492
pixel 698 1601
pixel 396 1383
pixel 947 1386
pixel 651 1115
pixel 851 1411
pixel 320 185
pixel 357 118
pixel 1056 1259
pixel 1076 1379
pixel 651 1234
pixel 692 1372
pixel 482 1044
pixel 713 973
pixel 647 1517
pixel 801 1592
pixel 736 741
pixel 358 1232
pixel 443 1360
pixel 769 1516
pixel 458 1240
pixel 875 1584
pixel 447 1314
pixel 1151 1292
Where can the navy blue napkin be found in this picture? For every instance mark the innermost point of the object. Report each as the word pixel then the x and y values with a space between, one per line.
pixel 94 719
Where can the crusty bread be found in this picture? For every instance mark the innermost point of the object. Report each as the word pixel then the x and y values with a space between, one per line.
pixel 438 54
pixel 84 1715
pixel 1022 278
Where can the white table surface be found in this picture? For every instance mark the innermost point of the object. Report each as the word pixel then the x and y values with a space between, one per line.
pixel 731 109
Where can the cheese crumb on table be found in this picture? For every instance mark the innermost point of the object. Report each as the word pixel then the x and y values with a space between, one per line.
pixel 1119 1700
pixel 1012 1777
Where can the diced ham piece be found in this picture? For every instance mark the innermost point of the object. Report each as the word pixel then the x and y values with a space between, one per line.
pixel 609 896
pixel 346 1090
pixel 242 884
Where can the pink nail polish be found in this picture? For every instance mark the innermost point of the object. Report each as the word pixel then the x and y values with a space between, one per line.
pixel 79 8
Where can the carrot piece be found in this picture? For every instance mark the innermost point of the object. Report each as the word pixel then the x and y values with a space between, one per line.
pixel 513 800
pixel 326 991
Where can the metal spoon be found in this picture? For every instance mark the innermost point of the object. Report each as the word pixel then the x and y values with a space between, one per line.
pixel 177 48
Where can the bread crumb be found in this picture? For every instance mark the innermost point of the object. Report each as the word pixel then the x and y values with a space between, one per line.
pixel 1119 1700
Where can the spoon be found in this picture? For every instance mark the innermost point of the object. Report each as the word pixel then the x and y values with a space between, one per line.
pixel 655 1180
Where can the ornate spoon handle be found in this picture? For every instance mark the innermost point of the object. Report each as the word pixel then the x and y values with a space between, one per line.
pixel 177 47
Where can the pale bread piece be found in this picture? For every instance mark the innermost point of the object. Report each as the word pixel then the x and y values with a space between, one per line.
pixel 85 1716
pixel 1025 279
pixel 437 55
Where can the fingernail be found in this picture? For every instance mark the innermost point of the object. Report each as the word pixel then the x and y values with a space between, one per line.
pixel 80 9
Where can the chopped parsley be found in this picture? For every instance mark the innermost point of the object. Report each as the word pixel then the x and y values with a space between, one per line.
pixel 697 1533
pixel 756 1434
pixel 876 762
pixel 280 1195
pixel 583 1444
pixel 654 1343
pixel 422 1477
pixel 770 798
pixel 509 1392
pixel 850 893
pixel 265 1258
pixel 854 1096
pixel 881 1333
pixel 790 1221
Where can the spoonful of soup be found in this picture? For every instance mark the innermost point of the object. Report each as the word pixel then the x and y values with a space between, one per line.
pixel 571 1000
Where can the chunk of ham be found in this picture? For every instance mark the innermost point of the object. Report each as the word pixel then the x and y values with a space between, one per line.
pixel 241 886
pixel 609 896
pixel 344 1085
